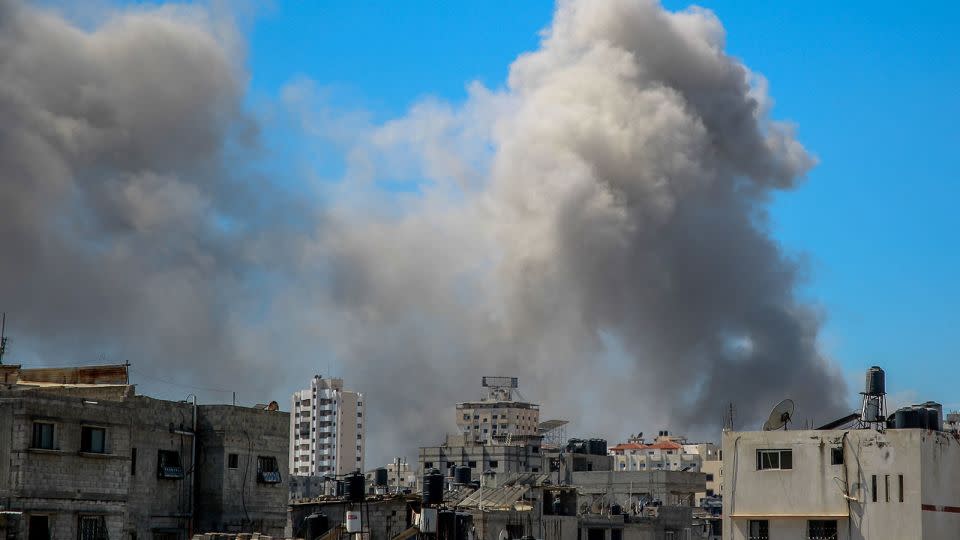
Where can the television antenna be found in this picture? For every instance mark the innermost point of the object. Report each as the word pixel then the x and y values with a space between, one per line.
pixel 780 416
pixel 3 336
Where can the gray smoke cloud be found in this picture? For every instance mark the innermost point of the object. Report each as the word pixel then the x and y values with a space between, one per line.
pixel 598 227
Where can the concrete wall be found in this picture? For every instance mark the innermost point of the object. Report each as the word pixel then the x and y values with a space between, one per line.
pixel 233 499
pixel 382 519
pixel 64 483
pixel 814 487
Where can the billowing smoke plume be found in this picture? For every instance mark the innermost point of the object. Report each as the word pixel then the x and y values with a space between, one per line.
pixel 597 228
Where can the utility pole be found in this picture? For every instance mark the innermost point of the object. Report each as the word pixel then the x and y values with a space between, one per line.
pixel 3 336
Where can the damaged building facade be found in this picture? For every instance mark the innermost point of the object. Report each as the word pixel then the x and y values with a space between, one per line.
pixel 82 456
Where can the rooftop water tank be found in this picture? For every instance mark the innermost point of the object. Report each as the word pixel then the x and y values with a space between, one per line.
pixel 380 476
pixel 462 475
pixel 315 525
pixel 875 382
pixel 356 486
pixel 432 488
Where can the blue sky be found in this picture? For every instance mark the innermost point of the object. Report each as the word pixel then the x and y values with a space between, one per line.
pixel 871 87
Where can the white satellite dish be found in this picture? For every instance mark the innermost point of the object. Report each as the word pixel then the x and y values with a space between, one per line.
pixel 504 535
pixel 780 416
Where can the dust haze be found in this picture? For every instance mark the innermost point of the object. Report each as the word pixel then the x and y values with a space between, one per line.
pixel 597 226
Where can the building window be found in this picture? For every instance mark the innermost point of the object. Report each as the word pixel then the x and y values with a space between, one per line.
pixel 466 417
pixel 709 477
pixel 92 528
pixel 836 456
pixel 822 529
pixel 359 415
pixel 133 461
pixel 93 440
pixel 472 464
pixel 168 464
pixel 359 436
pixel 42 436
pixel 494 463
pixel 772 460
pixel 759 529
pixel 427 464
pixel 901 488
pixel 39 528
pixel 616 534
pixel 873 488
pixel 267 470
pixel 710 493
pixel 233 461
pixel 886 488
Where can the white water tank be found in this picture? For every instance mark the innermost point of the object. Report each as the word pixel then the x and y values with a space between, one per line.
pixel 353 521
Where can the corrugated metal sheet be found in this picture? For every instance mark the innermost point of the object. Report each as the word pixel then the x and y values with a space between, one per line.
pixel 502 498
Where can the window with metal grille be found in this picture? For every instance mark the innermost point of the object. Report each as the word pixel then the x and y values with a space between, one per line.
pixel 168 464
pixel 42 435
pixel 772 460
pixel 822 529
pixel 267 470
pixel 93 440
pixel 92 528
pixel 759 529
pixel 836 456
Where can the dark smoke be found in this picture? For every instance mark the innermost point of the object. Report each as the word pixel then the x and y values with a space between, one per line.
pixel 597 228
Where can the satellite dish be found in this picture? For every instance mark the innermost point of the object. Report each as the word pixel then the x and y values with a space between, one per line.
pixel 504 535
pixel 780 416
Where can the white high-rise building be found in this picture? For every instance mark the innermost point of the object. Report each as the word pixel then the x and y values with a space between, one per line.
pixel 326 429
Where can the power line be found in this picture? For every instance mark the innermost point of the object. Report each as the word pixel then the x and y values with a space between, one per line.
pixel 181 385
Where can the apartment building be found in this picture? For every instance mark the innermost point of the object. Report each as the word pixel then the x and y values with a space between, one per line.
pixel 326 429
pixel 499 415
pixel 665 453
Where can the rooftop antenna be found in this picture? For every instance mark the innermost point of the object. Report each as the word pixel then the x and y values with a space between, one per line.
pixel 780 416
pixel 3 336
pixel 728 421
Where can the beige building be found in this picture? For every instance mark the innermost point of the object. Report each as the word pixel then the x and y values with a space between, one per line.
pixel 326 429
pixel 841 484
pixel 499 416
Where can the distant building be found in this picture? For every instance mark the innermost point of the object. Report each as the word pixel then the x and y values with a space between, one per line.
pixel 82 456
pixel 326 429
pixel 665 453
pixel 499 416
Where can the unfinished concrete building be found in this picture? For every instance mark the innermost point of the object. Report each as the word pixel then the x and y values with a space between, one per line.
pixel 82 456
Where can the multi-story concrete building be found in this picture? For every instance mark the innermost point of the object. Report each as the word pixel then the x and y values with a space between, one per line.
pixel 326 429
pixel 520 456
pixel 499 416
pixel 868 481
pixel 665 453
pixel 841 484
pixel 82 456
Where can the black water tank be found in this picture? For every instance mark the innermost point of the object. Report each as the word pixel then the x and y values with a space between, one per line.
pixel 380 476
pixel 875 382
pixel 446 525
pixel 936 416
pixel 356 484
pixel 432 487
pixel 615 510
pixel 598 447
pixel 909 418
pixel 315 525
pixel 464 524
pixel 462 475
